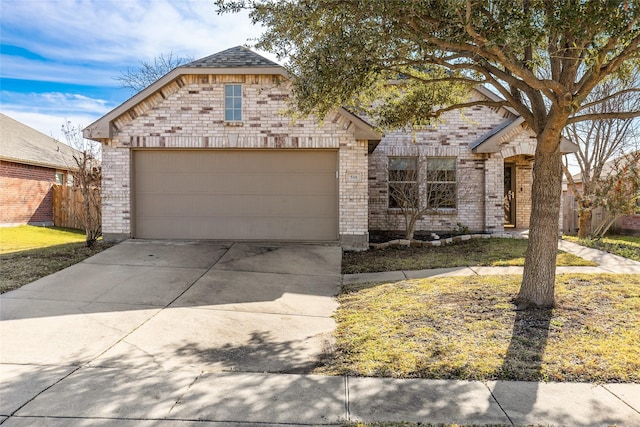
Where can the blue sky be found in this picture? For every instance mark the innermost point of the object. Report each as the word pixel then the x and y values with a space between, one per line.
pixel 59 58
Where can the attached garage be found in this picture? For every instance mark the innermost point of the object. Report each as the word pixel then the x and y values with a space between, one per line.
pixel 284 195
pixel 208 151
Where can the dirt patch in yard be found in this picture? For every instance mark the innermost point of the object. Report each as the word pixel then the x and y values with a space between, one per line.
pixel 20 268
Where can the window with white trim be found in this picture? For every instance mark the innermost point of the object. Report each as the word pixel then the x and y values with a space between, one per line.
pixel 440 180
pixel 403 182
pixel 233 103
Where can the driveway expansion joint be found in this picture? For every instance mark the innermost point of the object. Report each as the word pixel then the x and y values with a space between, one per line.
pixel 636 410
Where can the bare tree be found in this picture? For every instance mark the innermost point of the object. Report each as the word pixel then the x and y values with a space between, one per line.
pixel 148 72
pixel 600 141
pixel 619 192
pixel 420 185
pixel 87 180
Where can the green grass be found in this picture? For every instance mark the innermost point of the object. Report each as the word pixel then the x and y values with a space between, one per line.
pixel 625 246
pixel 484 252
pixel 468 328
pixel 25 237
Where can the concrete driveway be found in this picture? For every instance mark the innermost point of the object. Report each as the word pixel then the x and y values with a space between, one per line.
pixel 170 308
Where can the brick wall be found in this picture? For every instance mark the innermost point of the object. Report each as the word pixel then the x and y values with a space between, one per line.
pixel 480 176
pixel 480 183
pixel 189 113
pixel 26 195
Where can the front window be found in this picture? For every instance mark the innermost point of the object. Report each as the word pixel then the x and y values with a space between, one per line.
pixel 441 182
pixel 403 182
pixel 233 103
pixel 59 178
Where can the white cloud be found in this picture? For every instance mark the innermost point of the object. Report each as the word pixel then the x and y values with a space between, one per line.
pixel 48 124
pixel 47 112
pixel 16 67
pixel 54 102
pixel 120 33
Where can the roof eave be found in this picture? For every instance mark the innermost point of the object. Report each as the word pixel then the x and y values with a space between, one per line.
pixel 38 164
pixel 363 130
pixel 495 97
pixel 492 144
pixel 567 146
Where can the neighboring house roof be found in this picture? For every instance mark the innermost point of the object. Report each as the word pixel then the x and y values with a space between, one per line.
pixel 610 166
pixel 236 60
pixel 20 143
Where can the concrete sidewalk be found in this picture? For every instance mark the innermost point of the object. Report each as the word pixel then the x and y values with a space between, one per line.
pixel 607 263
pixel 139 397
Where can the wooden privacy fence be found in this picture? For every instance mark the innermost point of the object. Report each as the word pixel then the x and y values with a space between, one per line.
pixel 626 224
pixel 68 207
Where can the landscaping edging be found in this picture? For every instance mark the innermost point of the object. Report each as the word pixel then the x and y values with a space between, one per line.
pixel 442 242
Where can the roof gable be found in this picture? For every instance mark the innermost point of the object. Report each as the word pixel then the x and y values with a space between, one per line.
pixel 514 123
pixel 20 143
pixel 236 60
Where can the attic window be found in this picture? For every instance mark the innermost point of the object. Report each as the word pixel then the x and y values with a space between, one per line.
pixel 233 103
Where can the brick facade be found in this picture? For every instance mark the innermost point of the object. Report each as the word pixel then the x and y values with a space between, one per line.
pixel 26 194
pixel 188 113
pixel 480 185
pixel 185 110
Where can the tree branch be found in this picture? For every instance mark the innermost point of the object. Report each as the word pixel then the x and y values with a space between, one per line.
pixel 622 115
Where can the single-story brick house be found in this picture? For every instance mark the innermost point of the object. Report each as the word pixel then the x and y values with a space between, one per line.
pixel 30 164
pixel 207 153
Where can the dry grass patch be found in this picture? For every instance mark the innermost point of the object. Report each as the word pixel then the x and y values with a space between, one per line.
pixel 485 252
pixel 467 328
pixel 20 268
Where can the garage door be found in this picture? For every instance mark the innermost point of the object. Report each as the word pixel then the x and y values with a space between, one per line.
pixel 236 194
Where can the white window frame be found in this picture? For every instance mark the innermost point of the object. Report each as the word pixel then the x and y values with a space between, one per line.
pixel 233 103
pixel 405 180
pixel 437 177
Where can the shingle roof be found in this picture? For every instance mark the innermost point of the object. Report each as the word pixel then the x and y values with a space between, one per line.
pixel 235 57
pixel 20 143
pixel 495 131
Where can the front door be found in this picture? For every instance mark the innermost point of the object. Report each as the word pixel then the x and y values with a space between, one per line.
pixel 509 195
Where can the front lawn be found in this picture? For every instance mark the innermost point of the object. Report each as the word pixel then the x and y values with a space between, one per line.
pixel 625 246
pixel 484 252
pixel 25 237
pixel 468 328
pixel 28 253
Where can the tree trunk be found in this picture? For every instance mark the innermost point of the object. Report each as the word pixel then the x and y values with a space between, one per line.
pixel 538 281
pixel 410 227
pixel 584 222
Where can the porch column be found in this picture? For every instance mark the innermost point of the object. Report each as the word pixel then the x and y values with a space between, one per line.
pixel 494 194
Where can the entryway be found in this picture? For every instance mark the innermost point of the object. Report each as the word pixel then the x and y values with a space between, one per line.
pixel 509 195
